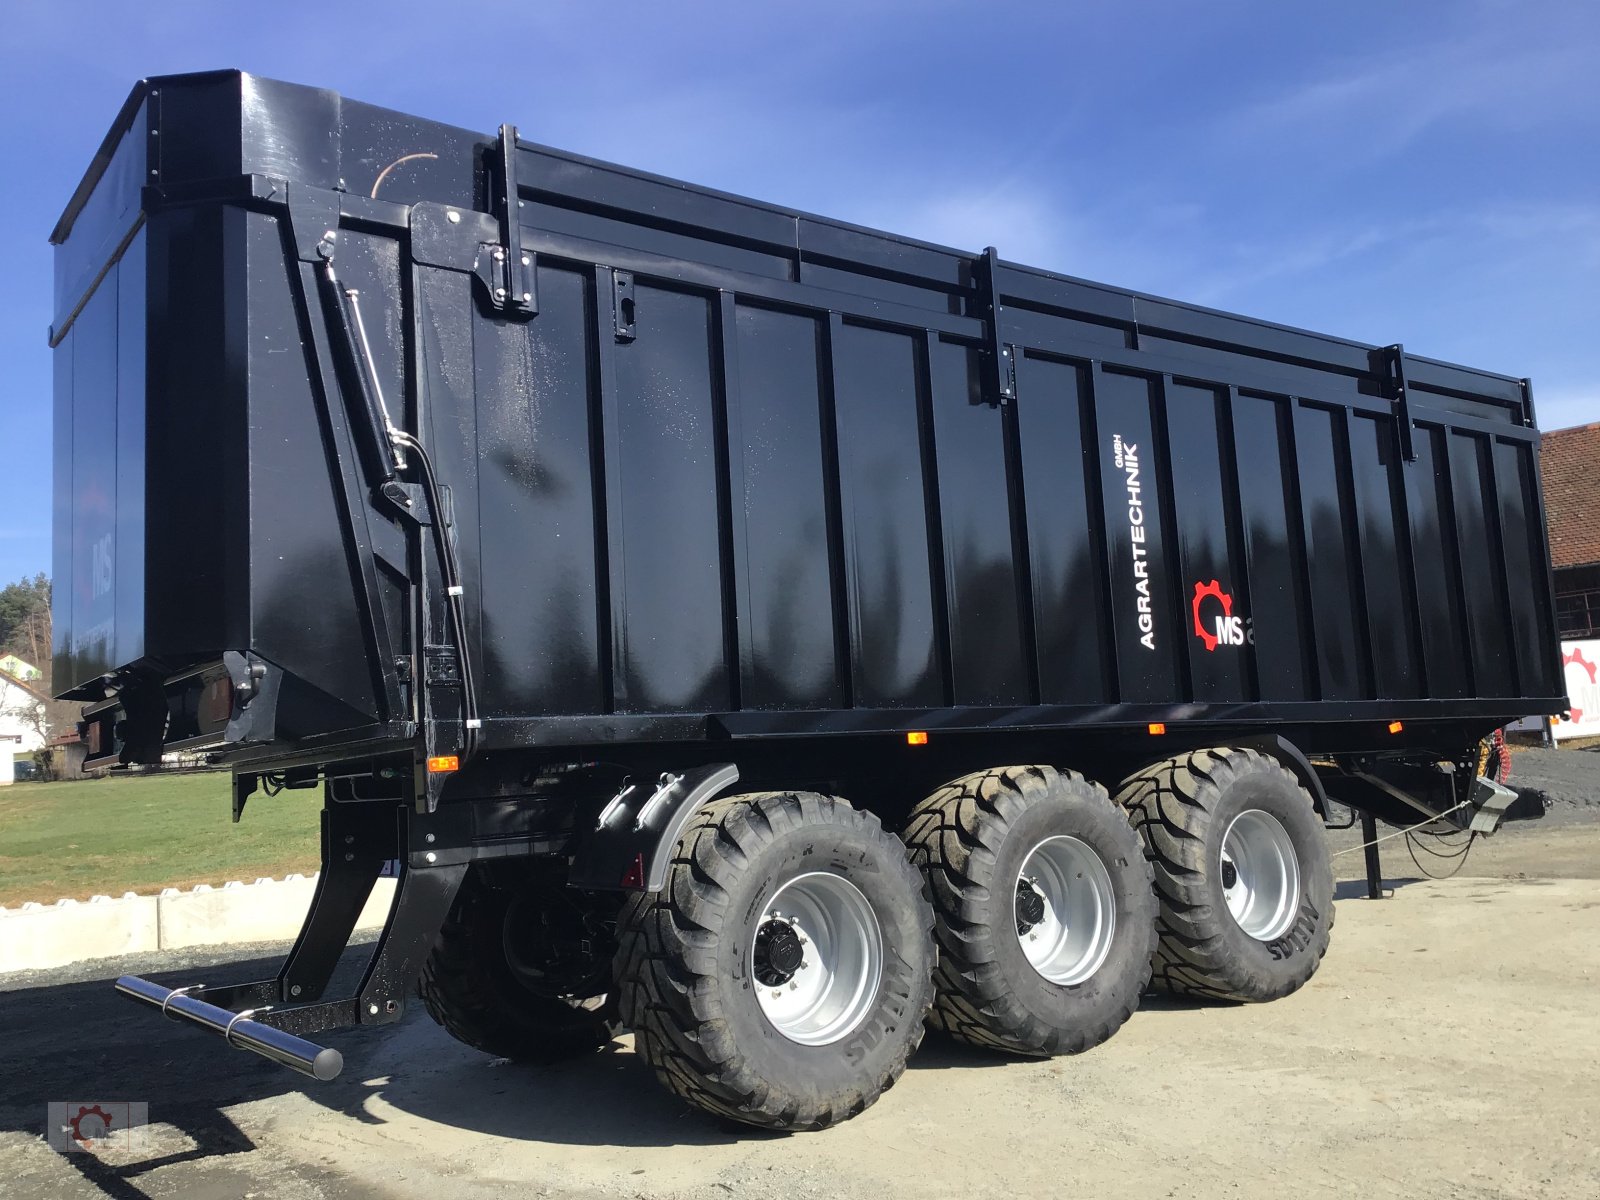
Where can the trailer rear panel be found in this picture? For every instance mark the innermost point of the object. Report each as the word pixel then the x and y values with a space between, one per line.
pixel 729 470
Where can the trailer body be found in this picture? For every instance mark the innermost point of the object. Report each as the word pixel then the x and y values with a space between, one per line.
pixel 714 482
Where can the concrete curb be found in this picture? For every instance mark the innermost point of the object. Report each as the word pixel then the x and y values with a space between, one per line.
pixel 37 936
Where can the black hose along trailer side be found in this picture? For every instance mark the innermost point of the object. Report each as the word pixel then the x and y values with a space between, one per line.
pixel 757 631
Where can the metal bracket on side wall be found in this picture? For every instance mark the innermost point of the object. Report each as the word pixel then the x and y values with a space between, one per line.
pixel 1000 358
pixel 1394 370
pixel 487 246
pixel 512 285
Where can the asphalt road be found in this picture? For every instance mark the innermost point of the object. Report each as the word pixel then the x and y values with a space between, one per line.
pixel 1450 1046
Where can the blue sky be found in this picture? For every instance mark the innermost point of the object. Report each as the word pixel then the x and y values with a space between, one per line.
pixel 1421 172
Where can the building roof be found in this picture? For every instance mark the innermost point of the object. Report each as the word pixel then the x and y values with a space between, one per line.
pixel 13 681
pixel 1569 460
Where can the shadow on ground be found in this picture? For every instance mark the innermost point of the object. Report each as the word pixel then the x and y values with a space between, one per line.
pixel 80 1041
pixel 1356 889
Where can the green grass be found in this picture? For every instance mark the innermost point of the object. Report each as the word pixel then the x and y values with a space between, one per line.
pixel 141 833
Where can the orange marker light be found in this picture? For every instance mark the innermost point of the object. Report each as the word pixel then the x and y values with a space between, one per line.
pixel 1157 728
pixel 444 763
pixel 1395 726
pixel 917 738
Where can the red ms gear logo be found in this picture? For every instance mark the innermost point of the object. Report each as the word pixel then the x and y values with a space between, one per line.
pixel 1218 628
pixel 1575 658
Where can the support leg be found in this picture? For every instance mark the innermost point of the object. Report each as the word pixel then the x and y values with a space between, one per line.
pixel 1369 833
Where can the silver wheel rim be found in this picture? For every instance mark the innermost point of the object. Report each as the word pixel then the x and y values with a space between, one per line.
pixel 1072 936
pixel 834 986
pixel 1260 875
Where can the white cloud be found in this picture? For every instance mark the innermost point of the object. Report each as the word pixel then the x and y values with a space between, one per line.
pixel 1365 109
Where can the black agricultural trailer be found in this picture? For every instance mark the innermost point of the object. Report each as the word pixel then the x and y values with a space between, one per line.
pixel 761 632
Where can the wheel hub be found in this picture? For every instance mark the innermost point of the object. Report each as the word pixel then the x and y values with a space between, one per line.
pixel 1260 873
pixel 1065 910
pixel 1030 906
pixel 817 958
pixel 779 952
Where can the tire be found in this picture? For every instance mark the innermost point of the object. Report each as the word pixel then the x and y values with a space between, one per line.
pixel 476 987
pixel 1185 809
pixel 694 984
pixel 975 842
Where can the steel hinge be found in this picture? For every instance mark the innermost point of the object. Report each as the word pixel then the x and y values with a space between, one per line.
pixel 508 271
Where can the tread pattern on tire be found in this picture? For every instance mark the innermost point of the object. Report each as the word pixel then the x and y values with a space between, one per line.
pixel 455 989
pixel 668 949
pixel 1168 804
pixel 974 1000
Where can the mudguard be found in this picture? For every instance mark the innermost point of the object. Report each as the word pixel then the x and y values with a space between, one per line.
pixel 631 845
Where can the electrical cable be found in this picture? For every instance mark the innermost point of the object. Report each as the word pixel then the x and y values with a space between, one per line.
pixel 1403 832
pixel 1457 856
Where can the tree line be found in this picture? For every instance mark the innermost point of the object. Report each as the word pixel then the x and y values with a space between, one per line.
pixel 25 621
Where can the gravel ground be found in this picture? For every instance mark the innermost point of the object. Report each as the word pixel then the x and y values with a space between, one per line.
pixel 1567 776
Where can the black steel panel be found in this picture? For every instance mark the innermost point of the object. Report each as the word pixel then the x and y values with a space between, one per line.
pixel 787 635
pixel 667 593
pixel 629 235
pixel 866 249
pixel 541 621
pixel 103 222
pixel 290 132
pixel 63 567
pixel 193 366
pixel 1144 630
pixel 1273 546
pixel 1380 510
pixel 1066 549
pixel 94 485
pixel 128 556
pixel 1483 580
pixel 894 646
pixel 1521 530
pixel 1343 669
pixel 651 199
pixel 297 528
pixel 1216 632
pixel 1441 590
pixel 980 578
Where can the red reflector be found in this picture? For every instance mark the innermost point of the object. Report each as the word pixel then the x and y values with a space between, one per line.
pixel 443 763
pixel 1157 728
pixel 1395 726
pixel 919 738
pixel 633 877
